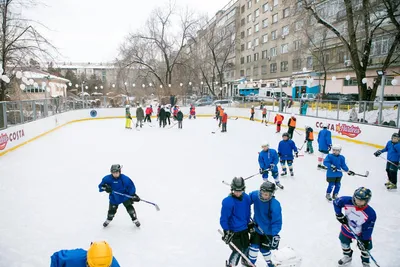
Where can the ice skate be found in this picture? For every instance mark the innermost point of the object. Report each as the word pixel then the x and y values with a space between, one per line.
pixel 334 196
pixel 279 185
pixel 291 173
pixel 391 186
pixel 106 223
pixel 283 173
pixel 328 197
pixel 344 261
pixel 366 264
pixel 136 222
pixel 270 264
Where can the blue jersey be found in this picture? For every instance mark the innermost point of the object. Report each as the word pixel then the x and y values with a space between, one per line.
pixel 324 139
pixel 266 158
pixel 361 221
pixel 73 258
pixel 123 184
pixel 235 213
pixel 267 215
pixel 393 151
pixel 339 162
pixel 286 148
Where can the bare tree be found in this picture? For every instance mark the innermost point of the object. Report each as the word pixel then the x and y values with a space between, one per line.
pixel 364 21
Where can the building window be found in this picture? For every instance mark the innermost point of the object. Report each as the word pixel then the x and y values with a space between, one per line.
pixel 256 27
pixel 256 42
pixel 248 72
pixel 351 82
pixel 326 59
pixel 275 2
pixel 273 35
pixel 264 54
pixel 309 62
pixel 248 31
pixel 297 45
pixel 255 71
pixel 298 25
pixel 242 9
pixel 241 73
pixel 249 4
pixel 265 7
pixel 284 48
pixel 249 18
pixel 242 60
pixel 275 18
pixel 265 23
pixel 297 64
pixel 257 13
pixel 243 22
pixel 248 59
pixel 285 30
pixel 256 1
pixel 242 35
pixel 249 45
pixel 286 12
pixel 256 56
pixel 272 67
pixel 265 38
pixel 242 47
pixel 264 69
pixel 284 66
pixel 380 46
pixel 273 52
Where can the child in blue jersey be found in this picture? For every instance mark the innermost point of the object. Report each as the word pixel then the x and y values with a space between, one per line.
pixel 267 223
pixel 393 155
pixel 235 218
pixel 115 183
pixel 285 151
pixel 358 218
pixel 324 144
pixel 268 161
pixel 98 255
pixel 335 163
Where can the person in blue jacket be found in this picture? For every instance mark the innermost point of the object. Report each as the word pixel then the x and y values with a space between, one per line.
pixel 335 164
pixel 324 144
pixel 116 184
pixel 268 161
pixel 393 155
pixel 359 218
pixel 235 218
pixel 285 151
pixel 267 223
pixel 99 255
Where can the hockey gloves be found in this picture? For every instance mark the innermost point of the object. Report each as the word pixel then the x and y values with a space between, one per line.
pixel 333 168
pixel 135 198
pixel 364 245
pixel 275 242
pixel 228 236
pixel 342 219
pixel 296 154
pixel 351 173
pixel 250 227
pixel 262 171
pixel 107 188
pixel 377 153
pixel 329 148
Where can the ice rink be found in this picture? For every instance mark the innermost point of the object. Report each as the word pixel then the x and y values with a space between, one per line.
pixel 50 200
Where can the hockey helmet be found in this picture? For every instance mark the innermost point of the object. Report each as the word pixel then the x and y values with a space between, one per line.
pixel 99 254
pixel 238 184
pixel 267 187
pixel 395 135
pixel 324 125
pixel 265 144
pixel 337 147
pixel 362 193
pixel 285 134
pixel 115 168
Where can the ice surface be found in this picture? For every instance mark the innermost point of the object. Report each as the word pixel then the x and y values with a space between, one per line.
pixel 49 197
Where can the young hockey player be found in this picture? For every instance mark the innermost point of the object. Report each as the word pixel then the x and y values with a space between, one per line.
pixel 217 111
pixel 162 117
pixel 267 223
pixel 335 163
pixel 149 110
pixel 285 151
pixel 115 183
pixel 393 155
pixel 292 126
pixel 309 139
pixel 235 218
pixel 179 117
pixel 324 144
pixel 278 121
pixel 221 113
pixel 99 254
pixel 128 117
pixel 168 113
pixel 192 112
pixel 360 218
pixel 252 111
pixel 268 160
pixel 158 111
pixel 224 121
pixel 139 116
pixel 175 112
pixel 264 115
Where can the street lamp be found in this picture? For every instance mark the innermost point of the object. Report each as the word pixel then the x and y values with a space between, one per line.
pixel 383 77
pixel 113 85
pixel 69 84
pixel 133 85
pixel 143 85
pixel 101 87
pixel 95 88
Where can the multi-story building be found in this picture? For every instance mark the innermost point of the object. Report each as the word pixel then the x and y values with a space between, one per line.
pixel 104 71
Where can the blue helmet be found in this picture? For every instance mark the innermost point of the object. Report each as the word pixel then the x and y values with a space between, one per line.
pixel 362 193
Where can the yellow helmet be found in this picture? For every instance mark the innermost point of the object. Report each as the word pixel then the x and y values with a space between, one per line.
pixel 99 254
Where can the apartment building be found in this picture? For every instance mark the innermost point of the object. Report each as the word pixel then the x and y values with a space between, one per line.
pixel 104 71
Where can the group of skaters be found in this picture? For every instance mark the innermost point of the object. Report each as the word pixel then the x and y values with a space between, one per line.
pixel 222 117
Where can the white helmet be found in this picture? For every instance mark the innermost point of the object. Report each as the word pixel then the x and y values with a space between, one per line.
pixel 127 106
pixel 252 106
pixel 292 115
pixel 337 147
pixel 324 125
pixel 162 106
pixel 266 143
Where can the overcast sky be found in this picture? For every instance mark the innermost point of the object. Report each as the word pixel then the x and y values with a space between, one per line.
pixel 91 30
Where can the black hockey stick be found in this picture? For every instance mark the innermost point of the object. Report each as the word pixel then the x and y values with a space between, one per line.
pixel 302 146
pixel 247 178
pixel 145 201
pixel 362 175
pixel 213 132
pixel 389 161
pixel 298 132
pixel 234 119
pixel 238 250
pixel 362 245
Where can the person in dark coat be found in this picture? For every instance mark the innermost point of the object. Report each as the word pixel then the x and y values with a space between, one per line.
pixel 162 116
pixel 179 117
pixel 139 116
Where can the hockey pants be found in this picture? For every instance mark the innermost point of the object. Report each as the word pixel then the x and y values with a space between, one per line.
pixel 147 118
pixel 322 156
pixel 241 241
pixel 333 182
pixel 391 171
pixel 260 243
pixel 139 122
pixel 278 127
pixel 290 132
pixel 346 241
pixel 289 163
pixel 128 123
pixel 163 122
pixel 310 147
pixel 224 127
pixel 112 210
pixel 180 124
pixel 168 118
pixel 252 117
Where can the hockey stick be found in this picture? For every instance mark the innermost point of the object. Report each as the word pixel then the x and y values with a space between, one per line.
pixel 298 132
pixel 362 175
pixel 362 245
pixel 145 201
pixel 173 125
pixel 234 119
pixel 302 146
pixel 213 132
pixel 247 178
pixel 238 250
pixel 389 161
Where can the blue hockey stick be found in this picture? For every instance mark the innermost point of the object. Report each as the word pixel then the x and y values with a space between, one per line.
pixel 145 201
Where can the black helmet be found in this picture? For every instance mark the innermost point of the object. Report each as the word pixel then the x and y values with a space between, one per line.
pixel 238 184
pixel 362 193
pixel 268 187
pixel 285 134
pixel 115 168
pixel 395 135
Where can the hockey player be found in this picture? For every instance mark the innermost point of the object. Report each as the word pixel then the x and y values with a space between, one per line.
pixel 393 155
pixel 99 255
pixel 360 218
pixel 168 113
pixel 114 183
pixel 335 163
pixel 268 160
pixel 324 144
pixel 264 115
pixel 158 111
pixel 309 139
pixel 221 113
pixel 175 112
pixel 149 110
pixel 278 121
pixel 235 218
pixel 217 111
pixel 292 126
pixel 139 116
pixel 285 151
pixel 252 111
pixel 128 117
pixel 179 117
pixel 192 112
pixel 268 218
pixel 224 121
pixel 162 117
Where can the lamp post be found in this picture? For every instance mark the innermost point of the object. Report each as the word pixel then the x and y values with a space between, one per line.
pixel 280 97
pixel 383 77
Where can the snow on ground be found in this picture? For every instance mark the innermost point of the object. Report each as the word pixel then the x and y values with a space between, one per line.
pixel 49 197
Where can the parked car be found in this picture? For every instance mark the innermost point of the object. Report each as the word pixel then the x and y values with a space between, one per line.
pixel 203 102
pixel 308 97
pixel 224 103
